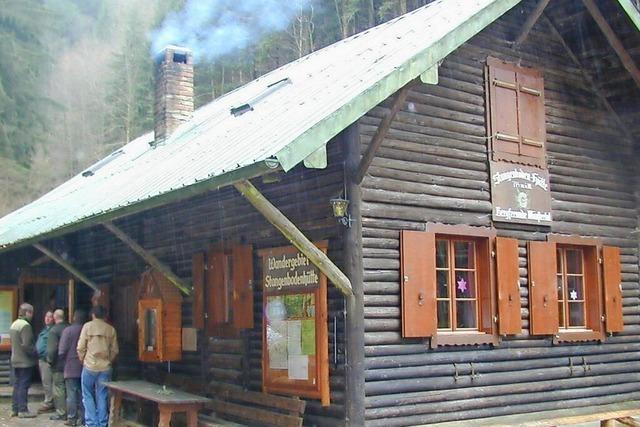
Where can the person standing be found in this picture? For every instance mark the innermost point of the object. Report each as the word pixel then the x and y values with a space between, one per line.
pixel 72 369
pixel 23 359
pixel 57 366
pixel 45 368
pixel 97 348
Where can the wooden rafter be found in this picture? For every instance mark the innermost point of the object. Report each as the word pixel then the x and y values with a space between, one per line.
pixel 67 266
pixel 148 257
pixel 530 22
pixel 613 40
pixel 295 236
pixel 42 260
pixel 588 78
pixel 381 133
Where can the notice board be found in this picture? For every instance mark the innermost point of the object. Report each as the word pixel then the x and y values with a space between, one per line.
pixel 8 304
pixel 295 356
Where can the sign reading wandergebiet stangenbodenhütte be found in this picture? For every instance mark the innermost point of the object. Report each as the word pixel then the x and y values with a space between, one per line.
pixel 520 194
pixel 286 269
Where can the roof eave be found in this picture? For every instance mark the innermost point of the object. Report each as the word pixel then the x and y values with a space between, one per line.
pixel 631 11
pixel 214 183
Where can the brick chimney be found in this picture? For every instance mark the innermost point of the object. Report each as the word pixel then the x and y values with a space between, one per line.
pixel 174 90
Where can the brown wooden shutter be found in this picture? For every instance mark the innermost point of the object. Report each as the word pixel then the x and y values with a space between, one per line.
pixel 197 276
pixel 503 96
pixel 543 293
pixel 216 296
pixel 508 276
pixel 243 286
pixel 531 116
pixel 612 289
pixel 418 283
pixel 516 113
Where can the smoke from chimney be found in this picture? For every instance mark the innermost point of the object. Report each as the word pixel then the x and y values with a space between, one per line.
pixel 215 27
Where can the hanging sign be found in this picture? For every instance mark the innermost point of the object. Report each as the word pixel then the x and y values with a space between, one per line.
pixel 295 358
pixel 520 194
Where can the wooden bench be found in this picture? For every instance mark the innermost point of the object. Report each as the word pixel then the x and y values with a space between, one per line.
pixel 168 400
pixel 232 405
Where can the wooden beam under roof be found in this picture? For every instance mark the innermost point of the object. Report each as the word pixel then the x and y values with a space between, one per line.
pixel 67 266
pixel 295 236
pixel 530 22
pixel 381 133
pixel 148 257
pixel 614 41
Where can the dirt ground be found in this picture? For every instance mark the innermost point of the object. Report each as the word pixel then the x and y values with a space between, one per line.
pixel 41 420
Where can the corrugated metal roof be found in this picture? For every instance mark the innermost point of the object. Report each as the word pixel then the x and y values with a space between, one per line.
pixel 328 90
pixel 632 11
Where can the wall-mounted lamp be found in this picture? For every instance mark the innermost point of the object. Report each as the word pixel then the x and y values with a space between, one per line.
pixel 339 207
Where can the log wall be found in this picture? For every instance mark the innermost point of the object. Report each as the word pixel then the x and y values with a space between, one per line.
pixel 432 167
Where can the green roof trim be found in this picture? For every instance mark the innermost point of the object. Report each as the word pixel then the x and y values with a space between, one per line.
pixel 318 135
pixel 632 12
pixel 177 195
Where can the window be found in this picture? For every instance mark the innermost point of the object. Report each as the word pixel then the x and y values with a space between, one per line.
pixel 516 114
pixel 449 291
pixel 456 282
pixel 567 288
pixel 571 293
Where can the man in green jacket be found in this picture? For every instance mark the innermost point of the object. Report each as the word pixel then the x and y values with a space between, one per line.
pixel 57 366
pixel 45 368
pixel 23 359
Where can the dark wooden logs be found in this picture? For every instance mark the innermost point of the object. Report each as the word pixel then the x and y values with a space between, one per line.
pixel 431 168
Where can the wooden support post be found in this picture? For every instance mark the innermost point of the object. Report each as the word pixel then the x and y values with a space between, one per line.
pixel 66 265
pixel 615 43
pixel 295 236
pixel 148 257
pixel 381 133
pixel 588 78
pixel 71 297
pixel 530 22
pixel 355 369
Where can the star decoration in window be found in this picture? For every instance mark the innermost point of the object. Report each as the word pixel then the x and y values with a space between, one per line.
pixel 573 295
pixel 462 284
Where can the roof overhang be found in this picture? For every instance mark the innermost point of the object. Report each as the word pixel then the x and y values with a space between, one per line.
pixel 460 28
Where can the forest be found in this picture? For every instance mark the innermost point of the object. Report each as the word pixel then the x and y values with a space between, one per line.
pixel 76 76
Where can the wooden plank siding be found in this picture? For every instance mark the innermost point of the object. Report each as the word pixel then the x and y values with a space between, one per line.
pixel 432 167
pixel 173 233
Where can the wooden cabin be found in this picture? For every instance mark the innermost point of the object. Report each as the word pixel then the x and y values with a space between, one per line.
pixel 485 268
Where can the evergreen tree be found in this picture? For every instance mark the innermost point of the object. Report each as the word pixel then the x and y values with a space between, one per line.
pixel 130 89
pixel 23 63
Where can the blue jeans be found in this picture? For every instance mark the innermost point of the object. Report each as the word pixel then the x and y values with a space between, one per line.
pixel 75 410
pixel 21 383
pixel 95 397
